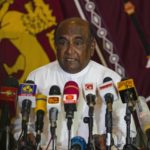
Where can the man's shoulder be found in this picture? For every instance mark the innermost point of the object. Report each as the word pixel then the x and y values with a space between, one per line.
pixel 45 69
pixel 104 71
pixel 99 67
pixel 96 64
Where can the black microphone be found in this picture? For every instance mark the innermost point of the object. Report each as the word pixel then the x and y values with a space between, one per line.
pixel 89 90
pixel 127 91
pixel 128 95
pixel 108 94
pixel 26 100
pixel 54 106
pixel 8 101
pixel 8 95
pixel 26 107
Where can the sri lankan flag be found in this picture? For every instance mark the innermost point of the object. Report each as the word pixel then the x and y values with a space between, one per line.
pixel 27 35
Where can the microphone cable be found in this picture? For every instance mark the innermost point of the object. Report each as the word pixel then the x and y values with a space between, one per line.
pixel 50 140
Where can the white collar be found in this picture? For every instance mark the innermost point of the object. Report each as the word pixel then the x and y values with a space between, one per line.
pixel 75 75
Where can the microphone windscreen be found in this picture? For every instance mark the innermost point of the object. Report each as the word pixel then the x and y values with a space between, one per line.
pixel 54 90
pixel 54 98
pixel 41 102
pixel 28 91
pixel 11 82
pixel 106 79
pixel 107 90
pixel 71 87
pixel 30 81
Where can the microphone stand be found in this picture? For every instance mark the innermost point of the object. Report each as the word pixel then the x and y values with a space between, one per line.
pixel 129 110
pixel 24 142
pixel 38 139
pixel 69 116
pixel 5 123
pixel 25 118
pixel 53 112
pixel 108 120
pixel 54 138
pixel 108 124
pixel 39 127
pixel 91 102
pixel 90 145
pixel 25 129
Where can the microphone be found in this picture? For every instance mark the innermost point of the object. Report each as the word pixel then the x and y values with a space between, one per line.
pixel 108 92
pixel 78 143
pixel 8 95
pixel 54 98
pixel 54 104
pixel 27 90
pixel 40 110
pixel 8 100
pixel 53 114
pixel 26 99
pixel 128 95
pixel 89 90
pixel 70 97
pixel 127 91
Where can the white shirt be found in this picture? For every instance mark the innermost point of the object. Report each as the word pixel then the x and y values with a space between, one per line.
pixel 52 74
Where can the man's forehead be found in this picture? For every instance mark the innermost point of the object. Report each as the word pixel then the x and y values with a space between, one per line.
pixel 74 36
pixel 72 29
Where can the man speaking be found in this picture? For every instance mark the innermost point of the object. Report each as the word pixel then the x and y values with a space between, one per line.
pixel 75 46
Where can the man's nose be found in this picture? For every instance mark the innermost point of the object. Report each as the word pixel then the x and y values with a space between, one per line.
pixel 70 48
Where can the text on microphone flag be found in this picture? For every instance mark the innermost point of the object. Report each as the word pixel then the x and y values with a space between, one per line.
pixel 6 93
pixel 89 86
pixel 70 98
pixel 126 84
pixel 27 89
pixel 106 85
pixel 53 100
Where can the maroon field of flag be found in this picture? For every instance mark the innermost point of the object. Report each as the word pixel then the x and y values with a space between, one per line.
pixel 123 37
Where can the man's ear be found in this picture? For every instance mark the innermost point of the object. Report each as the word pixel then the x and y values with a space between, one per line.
pixel 93 45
